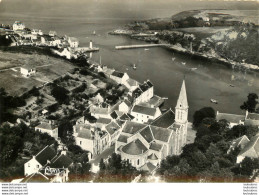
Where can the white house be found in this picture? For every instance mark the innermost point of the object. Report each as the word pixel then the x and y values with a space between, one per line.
pixel 251 149
pixel 144 114
pixel 36 32
pixel 64 52
pixel 124 106
pixel 233 119
pixel 119 77
pixel 44 163
pixel 143 93
pixel 27 70
pixel 18 26
pixel 52 33
pixel 49 128
pixel 39 160
pixel 73 42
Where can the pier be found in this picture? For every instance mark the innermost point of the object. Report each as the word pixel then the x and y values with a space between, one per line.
pixel 140 46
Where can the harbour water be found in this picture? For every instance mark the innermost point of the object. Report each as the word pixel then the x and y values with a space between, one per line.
pixel 209 80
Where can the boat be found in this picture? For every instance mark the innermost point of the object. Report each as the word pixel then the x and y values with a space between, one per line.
pixel 165 98
pixel 214 101
pixel 146 49
pixel 94 33
pixel 232 85
pixel 173 59
pixel 183 63
pixel 192 69
pixel 134 66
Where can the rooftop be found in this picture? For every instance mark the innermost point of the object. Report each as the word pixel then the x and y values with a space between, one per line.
pixel 85 134
pixel 144 110
pixel 118 74
pixel 148 167
pixel 135 147
pixel 123 138
pixel 132 127
pixel 35 178
pixel 152 157
pixel 45 125
pixel 45 154
pixel 155 146
pixel 252 148
pixel 253 116
pixel 147 134
pixel 62 161
pixel 165 120
pixel 232 118
pixel 103 120
pixel 161 134
pixel 112 128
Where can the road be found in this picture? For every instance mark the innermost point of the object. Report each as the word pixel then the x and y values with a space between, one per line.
pixel 104 155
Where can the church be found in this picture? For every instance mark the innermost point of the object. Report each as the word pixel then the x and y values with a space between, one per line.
pixel 146 145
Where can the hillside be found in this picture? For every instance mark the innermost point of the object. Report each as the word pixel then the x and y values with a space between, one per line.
pixel 222 34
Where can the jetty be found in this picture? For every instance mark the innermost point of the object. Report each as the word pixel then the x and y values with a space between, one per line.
pixel 140 46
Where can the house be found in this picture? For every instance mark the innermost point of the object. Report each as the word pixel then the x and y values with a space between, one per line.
pixel 49 128
pixel 144 114
pixel 100 122
pixel 18 26
pixel 65 52
pixel 98 111
pixel 119 77
pixel 91 138
pixel 27 70
pixel 98 98
pixel 73 42
pixel 113 130
pixel 47 166
pixel 251 149
pixel 239 142
pixel 233 119
pixel 52 33
pixel 131 84
pixel 55 41
pixel 36 32
pixel 125 106
pixel 146 145
pixel 39 160
pixel 143 93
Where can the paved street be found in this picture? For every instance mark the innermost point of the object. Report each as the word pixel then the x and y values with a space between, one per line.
pixel 104 155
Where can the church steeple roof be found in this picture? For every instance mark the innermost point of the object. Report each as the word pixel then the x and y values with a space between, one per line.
pixel 182 102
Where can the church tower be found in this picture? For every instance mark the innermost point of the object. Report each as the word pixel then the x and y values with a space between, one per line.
pixel 181 115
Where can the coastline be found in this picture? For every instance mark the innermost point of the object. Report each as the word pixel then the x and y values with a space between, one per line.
pixel 196 55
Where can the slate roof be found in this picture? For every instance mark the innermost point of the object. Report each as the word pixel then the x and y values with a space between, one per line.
pixel 149 83
pixel 148 167
pixel 144 110
pixel 232 118
pixel 123 138
pixel 35 178
pixel 112 128
pixel 103 120
pixel 132 82
pixel 241 141
pixel 44 155
pixel 132 127
pixel 165 120
pixel 47 126
pixel 127 102
pixel 253 116
pixel 125 117
pixel 137 92
pixel 118 74
pixel 252 148
pixel 81 127
pixel 144 87
pixel 114 115
pixel 155 146
pixel 152 157
pixel 161 134
pixel 135 147
pixel 85 134
pixel 147 134
pixel 62 161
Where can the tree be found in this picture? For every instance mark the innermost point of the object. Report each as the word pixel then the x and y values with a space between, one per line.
pixel 206 112
pixel 251 102
pixel 102 165
pixel 60 94
pixel 248 165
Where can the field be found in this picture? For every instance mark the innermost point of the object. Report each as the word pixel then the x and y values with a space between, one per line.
pixel 47 69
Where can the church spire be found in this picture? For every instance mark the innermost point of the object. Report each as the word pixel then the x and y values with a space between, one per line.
pixel 182 102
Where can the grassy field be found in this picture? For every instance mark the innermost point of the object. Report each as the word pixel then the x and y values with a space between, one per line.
pixel 48 69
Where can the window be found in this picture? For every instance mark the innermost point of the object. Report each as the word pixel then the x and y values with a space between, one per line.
pixel 138 162
pixel 28 164
pixel 37 166
pixel 80 142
